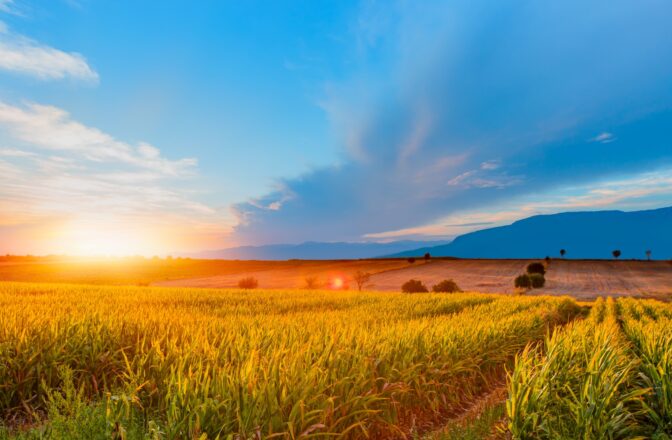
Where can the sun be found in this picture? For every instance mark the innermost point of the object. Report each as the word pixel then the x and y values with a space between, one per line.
pixel 337 283
pixel 105 240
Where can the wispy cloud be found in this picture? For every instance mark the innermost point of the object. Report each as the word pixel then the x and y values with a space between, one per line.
pixel 52 128
pixel 22 55
pixel 604 138
pixel 457 106
pixel 640 191
pixel 59 173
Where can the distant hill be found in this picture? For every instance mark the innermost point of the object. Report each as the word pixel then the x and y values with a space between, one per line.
pixel 583 234
pixel 313 251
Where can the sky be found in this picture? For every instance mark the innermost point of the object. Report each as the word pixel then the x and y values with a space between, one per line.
pixel 143 127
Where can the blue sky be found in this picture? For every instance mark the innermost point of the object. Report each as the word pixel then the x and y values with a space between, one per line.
pixel 139 127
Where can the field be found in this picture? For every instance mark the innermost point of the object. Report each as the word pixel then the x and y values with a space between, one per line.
pixel 81 362
pixel 93 362
pixel 585 280
pixel 97 361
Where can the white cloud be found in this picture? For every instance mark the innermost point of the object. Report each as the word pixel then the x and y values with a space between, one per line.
pixel 63 183
pixel 604 138
pixel 19 54
pixel 51 128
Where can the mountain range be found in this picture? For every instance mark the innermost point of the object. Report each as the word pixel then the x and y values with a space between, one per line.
pixel 314 250
pixel 593 234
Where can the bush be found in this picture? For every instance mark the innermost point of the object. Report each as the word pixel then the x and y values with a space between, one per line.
pixel 446 286
pixel 537 280
pixel 248 283
pixel 411 260
pixel 536 267
pixel 413 286
pixel 523 281
pixel 311 282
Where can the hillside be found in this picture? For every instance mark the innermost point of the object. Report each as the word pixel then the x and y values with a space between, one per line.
pixel 583 234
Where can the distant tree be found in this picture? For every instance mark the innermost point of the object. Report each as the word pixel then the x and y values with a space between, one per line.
pixel 537 280
pixel 616 253
pixel 446 286
pixel 411 260
pixel 311 282
pixel 562 252
pixel 648 254
pixel 536 267
pixel 547 259
pixel 427 256
pixel 414 286
pixel 522 281
pixel 362 279
pixel 248 283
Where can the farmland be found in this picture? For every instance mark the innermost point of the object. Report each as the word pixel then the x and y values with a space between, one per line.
pixel 197 363
pixel 88 359
pixel 582 279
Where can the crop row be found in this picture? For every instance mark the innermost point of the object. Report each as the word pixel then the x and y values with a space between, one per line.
pixel 607 376
pixel 183 363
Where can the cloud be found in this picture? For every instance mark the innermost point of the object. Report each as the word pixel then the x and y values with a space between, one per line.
pixel 22 55
pixel 8 7
pixel 57 173
pixel 604 138
pixel 516 98
pixel 641 191
pixel 51 128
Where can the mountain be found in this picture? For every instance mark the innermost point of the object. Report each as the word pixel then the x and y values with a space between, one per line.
pixel 313 251
pixel 583 234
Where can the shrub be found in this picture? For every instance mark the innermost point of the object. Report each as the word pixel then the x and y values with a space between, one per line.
pixel 523 281
pixel 362 279
pixel 536 267
pixel 248 283
pixel 428 256
pixel 537 280
pixel 446 286
pixel 413 286
pixel 616 253
pixel 311 282
pixel 411 260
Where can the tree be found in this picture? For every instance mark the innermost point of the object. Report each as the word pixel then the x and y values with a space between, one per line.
pixel 311 282
pixel 427 256
pixel 411 260
pixel 361 279
pixel 523 281
pixel 648 254
pixel 562 252
pixel 248 283
pixel 536 267
pixel 414 286
pixel 537 280
pixel 446 286
pixel 616 253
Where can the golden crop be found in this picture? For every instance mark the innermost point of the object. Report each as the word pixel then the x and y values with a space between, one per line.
pixel 190 363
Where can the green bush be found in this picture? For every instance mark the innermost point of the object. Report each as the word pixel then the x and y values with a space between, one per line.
pixel 523 280
pixel 413 286
pixel 446 286
pixel 536 267
pixel 537 280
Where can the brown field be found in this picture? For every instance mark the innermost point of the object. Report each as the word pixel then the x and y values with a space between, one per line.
pixel 588 279
pixel 583 279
